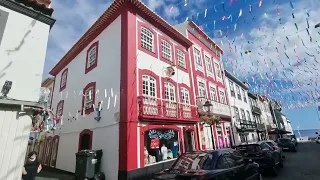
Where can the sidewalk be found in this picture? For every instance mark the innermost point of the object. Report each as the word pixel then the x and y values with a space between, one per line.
pixel 46 174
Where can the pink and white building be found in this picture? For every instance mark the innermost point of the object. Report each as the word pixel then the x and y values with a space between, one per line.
pixel 151 79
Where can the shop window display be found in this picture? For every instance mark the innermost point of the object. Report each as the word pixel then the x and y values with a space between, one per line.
pixel 160 145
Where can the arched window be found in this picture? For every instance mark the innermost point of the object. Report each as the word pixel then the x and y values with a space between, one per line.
pixel 166 50
pixel 88 98
pixel 48 151
pixel 85 140
pixel 60 108
pixel 63 80
pixel 185 96
pixel 169 91
pixel 148 86
pixel 147 39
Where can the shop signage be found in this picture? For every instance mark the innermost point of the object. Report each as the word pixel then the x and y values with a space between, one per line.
pixel 154 143
pixel 3 21
pixel 154 134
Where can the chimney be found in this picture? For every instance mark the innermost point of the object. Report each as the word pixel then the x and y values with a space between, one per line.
pixel 47 3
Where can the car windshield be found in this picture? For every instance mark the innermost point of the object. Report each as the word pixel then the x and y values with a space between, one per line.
pixel 195 161
pixel 250 148
pixel 270 144
pixel 284 140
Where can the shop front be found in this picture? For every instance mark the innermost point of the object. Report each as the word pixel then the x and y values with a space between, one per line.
pixel 162 143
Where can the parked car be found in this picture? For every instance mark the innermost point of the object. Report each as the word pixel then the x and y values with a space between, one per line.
pixel 317 140
pixel 293 139
pixel 287 144
pixel 275 147
pixel 211 165
pixel 260 152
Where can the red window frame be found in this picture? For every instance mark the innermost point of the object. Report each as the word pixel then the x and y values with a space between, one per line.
pixel 186 58
pixel 173 54
pixel 155 41
pixel 96 45
pixel 150 73
pixel 62 87
pixel 60 103
pixel 84 132
pixel 56 137
pixel 169 80
pixel 90 110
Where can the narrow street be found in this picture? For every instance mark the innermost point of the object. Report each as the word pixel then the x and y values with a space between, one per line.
pixel 303 165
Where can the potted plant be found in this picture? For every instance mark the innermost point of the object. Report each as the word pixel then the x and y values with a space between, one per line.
pixel 211 120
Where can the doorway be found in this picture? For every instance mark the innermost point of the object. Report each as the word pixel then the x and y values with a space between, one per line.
pixel 85 142
pixel 189 141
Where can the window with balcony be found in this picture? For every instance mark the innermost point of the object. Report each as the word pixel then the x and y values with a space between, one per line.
pixel 197 57
pixel 64 78
pixel 248 115
pixel 92 57
pixel 169 92
pixel 88 98
pixel 236 112
pixel 181 59
pixel 213 93
pixel 232 93
pixel 244 95
pixel 222 97
pixel 147 39
pixel 148 86
pixel 166 50
pixel 185 96
pixel 238 92
pixel 218 70
pixel 202 89
pixel 243 115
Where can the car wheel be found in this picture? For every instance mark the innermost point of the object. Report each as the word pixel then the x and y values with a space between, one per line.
pixel 273 169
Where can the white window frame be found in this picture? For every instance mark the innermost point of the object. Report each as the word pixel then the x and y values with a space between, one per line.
pixel 166 46
pixel 88 98
pixel 185 95
pixel 198 58
pixel 209 65
pixel 215 98
pixel 92 57
pixel 244 113
pixel 169 92
pixel 231 85
pixel 181 56
pixel 245 99
pixel 148 81
pixel 217 68
pixel 200 94
pixel 238 92
pixel 147 42
pixel 60 108
pixel 224 95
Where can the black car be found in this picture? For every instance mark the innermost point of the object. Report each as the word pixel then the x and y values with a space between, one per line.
pixel 220 164
pixel 261 153
pixel 287 144
pixel 275 147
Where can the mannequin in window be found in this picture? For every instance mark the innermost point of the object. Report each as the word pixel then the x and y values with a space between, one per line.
pixel 175 148
pixel 146 156
pixel 164 152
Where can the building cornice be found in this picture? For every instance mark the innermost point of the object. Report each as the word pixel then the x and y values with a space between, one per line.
pixel 28 11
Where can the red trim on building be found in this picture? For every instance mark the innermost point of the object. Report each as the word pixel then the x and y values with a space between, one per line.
pixel 128 150
pixel 62 87
pixel 154 126
pixel 89 110
pixel 150 73
pixel 165 38
pixel 186 57
pixel 153 53
pixel 96 45
pixel 54 84
pixel 85 132
pixel 215 136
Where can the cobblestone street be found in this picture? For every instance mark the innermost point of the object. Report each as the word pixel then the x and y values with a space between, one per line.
pixel 303 165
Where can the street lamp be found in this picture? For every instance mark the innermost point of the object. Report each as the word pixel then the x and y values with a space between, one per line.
pixel 207 108
pixel 317 25
pixel 6 88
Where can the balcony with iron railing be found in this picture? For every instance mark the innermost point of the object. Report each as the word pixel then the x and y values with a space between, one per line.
pixel 160 110
pixel 245 125
pixel 222 110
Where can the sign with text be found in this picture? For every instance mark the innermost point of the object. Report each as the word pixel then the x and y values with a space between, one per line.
pixel 3 21
pixel 154 143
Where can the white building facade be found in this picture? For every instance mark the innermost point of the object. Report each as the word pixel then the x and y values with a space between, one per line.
pixel 24 33
pixel 244 127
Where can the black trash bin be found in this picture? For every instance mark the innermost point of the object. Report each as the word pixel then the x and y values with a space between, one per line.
pixel 88 164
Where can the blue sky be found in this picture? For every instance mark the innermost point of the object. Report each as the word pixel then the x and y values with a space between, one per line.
pixel 283 62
